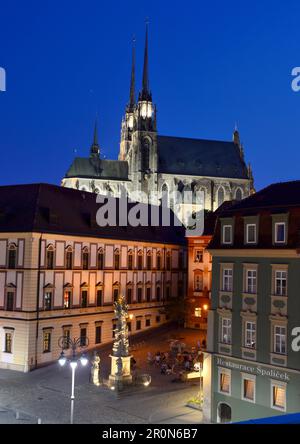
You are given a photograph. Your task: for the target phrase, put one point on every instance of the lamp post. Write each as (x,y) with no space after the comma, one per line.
(66,343)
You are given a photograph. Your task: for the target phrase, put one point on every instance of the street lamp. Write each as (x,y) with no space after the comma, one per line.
(65,343)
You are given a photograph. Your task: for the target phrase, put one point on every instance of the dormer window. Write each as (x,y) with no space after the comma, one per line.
(227,234)
(280,233)
(250,233)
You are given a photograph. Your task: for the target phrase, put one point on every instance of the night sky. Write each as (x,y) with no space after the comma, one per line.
(212,63)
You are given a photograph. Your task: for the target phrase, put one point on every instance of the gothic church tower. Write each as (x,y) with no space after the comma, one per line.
(138,134)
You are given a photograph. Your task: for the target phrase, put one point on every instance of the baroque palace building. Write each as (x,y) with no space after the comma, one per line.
(60,273)
(152,163)
(252,364)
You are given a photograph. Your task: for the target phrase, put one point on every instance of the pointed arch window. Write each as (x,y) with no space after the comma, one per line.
(50,257)
(165,195)
(221,196)
(12,256)
(238,194)
(145,161)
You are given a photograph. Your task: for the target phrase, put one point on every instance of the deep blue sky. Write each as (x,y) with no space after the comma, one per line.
(211,64)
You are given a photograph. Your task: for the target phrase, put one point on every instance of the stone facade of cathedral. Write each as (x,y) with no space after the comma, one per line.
(154,163)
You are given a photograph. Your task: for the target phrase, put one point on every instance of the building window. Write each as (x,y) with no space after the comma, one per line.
(140,260)
(168,293)
(227,234)
(84,298)
(224,381)
(238,194)
(280,339)
(138,324)
(198,312)
(221,196)
(157,319)
(10,300)
(66,338)
(48,300)
(149,261)
(158,296)
(50,258)
(280,283)
(250,233)
(198,282)
(227,279)
(148,322)
(12,257)
(130,260)
(46,342)
(225,331)
(8,343)
(250,334)
(117,260)
(69,259)
(99,297)
(198,256)
(85,259)
(116,294)
(168,261)
(67,299)
(180,260)
(83,335)
(129,326)
(278,396)
(248,388)
(98,335)
(139,294)
(158,261)
(280,235)
(129,295)
(251,281)
(100,259)
(148,294)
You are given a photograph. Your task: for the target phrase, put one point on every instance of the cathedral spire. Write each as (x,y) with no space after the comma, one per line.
(146,94)
(95,148)
(132,79)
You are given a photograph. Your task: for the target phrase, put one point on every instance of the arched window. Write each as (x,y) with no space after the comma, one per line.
(140,260)
(100,259)
(50,257)
(145,155)
(85,258)
(117,259)
(130,260)
(221,196)
(69,258)
(12,256)
(165,195)
(238,194)
(149,260)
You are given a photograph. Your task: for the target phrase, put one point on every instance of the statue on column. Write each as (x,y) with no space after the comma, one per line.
(95,370)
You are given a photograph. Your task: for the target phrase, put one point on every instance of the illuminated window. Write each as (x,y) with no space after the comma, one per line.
(198,256)
(67,299)
(8,342)
(48,300)
(248,388)
(198,282)
(224,381)
(46,342)
(278,396)
(198,312)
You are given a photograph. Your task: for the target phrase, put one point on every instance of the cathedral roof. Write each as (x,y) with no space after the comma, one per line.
(97,168)
(200,157)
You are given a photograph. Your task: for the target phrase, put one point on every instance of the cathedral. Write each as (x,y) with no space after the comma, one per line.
(154,164)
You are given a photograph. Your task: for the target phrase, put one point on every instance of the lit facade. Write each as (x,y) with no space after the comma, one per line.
(54,283)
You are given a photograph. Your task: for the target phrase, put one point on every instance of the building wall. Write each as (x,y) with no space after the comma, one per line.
(29,318)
